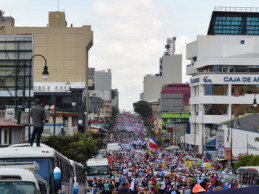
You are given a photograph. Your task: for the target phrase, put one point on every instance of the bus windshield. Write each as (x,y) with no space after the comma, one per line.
(44,163)
(14,187)
(97,170)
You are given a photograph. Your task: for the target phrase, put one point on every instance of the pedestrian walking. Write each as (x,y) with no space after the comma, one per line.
(38,116)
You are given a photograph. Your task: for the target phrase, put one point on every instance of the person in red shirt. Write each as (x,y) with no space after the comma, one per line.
(154,180)
(212,181)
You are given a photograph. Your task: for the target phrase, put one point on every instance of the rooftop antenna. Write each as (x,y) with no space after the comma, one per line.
(170,46)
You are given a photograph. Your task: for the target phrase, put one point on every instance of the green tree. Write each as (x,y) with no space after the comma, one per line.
(77,147)
(115,111)
(247,160)
(143,108)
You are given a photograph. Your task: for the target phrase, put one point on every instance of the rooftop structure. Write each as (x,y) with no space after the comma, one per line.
(234,21)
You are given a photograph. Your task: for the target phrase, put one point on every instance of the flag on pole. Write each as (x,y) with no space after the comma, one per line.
(152,143)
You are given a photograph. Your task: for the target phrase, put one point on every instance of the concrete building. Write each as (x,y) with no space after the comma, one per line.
(66,51)
(175,98)
(103,85)
(11,132)
(225,74)
(170,71)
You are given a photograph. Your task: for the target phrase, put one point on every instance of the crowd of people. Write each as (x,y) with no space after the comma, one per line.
(158,171)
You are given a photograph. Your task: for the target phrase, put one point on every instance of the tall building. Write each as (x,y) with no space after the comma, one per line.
(170,71)
(225,72)
(66,51)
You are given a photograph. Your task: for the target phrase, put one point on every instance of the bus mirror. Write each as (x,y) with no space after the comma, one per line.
(57,178)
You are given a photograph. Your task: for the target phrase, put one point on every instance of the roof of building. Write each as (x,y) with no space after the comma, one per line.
(8,123)
(178,89)
(234,21)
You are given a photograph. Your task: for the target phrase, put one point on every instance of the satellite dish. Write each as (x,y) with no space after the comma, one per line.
(167,46)
(46,107)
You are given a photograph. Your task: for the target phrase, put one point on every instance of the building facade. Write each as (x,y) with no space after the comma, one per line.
(225,72)
(170,71)
(66,51)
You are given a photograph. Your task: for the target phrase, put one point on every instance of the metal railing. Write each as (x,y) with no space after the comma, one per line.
(237,9)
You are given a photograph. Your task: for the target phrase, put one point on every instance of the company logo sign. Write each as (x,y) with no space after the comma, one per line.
(241,79)
(206,79)
(195,80)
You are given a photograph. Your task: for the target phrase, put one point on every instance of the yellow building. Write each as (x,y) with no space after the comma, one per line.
(65,48)
(107,110)
(66,51)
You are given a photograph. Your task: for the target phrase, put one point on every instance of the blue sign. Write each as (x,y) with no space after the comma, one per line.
(195,80)
(221,152)
(241,79)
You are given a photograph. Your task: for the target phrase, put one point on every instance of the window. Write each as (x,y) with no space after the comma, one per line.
(241,68)
(74,121)
(6,136)
(216,90)
(216,68)
(216,109)
(242,41)
(240,90)
(65,120)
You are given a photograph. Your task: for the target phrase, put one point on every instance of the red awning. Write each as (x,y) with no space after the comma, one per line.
(6,123)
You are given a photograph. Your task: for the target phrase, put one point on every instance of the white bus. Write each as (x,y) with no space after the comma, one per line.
(248,176)
(97,167)
(21,178)
(48,159)
(113,147)
(79,178)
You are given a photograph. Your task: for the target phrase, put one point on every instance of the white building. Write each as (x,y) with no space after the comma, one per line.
(243,141)
(170,71)
(225,74)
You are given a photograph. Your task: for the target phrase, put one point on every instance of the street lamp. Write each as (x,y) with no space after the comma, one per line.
(45,75)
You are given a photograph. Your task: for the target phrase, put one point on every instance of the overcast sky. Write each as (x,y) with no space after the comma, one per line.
(129,35)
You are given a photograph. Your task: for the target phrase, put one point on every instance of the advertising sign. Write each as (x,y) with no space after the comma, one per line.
(24,119)
(221,152)
(220,140)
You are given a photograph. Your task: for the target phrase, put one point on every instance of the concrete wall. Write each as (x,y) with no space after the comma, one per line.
(16,134)
(103,80)
(243,141)
(152,87)
(171,73)
(172,69)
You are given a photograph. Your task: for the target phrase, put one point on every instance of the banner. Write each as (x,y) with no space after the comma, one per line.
(220,140)
(221,153)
